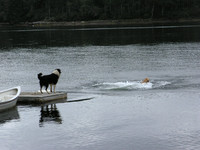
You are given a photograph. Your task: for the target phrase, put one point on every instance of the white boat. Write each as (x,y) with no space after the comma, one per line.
(8,98)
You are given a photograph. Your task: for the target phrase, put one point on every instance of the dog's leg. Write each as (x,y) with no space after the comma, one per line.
(47,91)
(47,88)
(41,89)
(54,88)
(51,88)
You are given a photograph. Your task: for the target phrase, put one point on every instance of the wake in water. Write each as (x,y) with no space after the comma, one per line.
(130,85)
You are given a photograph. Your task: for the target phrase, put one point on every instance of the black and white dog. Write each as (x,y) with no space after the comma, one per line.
(51,79)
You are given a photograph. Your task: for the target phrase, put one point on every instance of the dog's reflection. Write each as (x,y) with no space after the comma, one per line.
(50,113)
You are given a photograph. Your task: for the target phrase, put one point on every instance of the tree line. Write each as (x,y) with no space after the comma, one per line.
(15,11)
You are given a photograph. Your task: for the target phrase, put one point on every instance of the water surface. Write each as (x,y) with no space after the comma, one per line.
(109,65)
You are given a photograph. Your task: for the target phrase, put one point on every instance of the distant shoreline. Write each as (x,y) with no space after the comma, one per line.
(105,23)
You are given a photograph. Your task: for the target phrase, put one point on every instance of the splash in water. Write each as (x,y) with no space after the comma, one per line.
(130,85)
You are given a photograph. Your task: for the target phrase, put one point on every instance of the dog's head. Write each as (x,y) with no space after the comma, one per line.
(57,72)
(146,80)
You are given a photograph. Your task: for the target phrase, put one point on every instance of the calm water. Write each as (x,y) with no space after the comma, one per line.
(107,64)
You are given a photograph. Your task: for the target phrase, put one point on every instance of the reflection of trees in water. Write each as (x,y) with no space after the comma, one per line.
(50,113)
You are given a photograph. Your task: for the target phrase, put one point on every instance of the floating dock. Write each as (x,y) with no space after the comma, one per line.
(38,98)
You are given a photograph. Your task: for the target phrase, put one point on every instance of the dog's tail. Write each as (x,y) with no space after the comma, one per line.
(39,76)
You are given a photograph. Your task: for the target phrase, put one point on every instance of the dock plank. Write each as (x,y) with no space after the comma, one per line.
(38,98)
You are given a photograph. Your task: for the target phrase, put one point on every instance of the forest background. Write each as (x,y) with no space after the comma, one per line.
(17,11)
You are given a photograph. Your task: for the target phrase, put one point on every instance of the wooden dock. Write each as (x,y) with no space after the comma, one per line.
(38,98)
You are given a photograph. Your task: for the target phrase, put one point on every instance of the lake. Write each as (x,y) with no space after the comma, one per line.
(107,64)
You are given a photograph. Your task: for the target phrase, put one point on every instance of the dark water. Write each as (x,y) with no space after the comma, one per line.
(107,64)
(62,37)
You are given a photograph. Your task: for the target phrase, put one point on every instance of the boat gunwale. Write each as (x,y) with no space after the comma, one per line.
(14,97)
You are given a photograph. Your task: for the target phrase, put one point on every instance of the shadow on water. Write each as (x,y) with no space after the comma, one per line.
(11,114)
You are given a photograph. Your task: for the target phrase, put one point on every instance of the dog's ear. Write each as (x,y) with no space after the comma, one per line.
(39,76)
(58,70)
